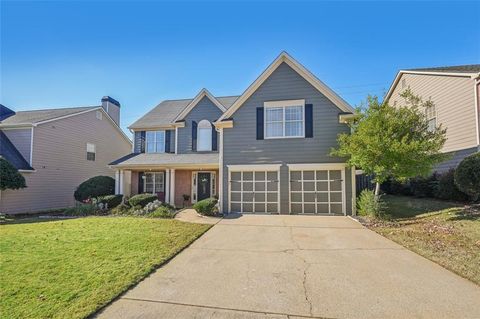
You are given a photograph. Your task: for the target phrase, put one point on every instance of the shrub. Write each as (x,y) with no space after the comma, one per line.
(95,187)
(162,212)
(142,199)
(368,205)
(81,210)
(207,207)
(447,189)
(111,201)
(467,176)
(10,178)
(424,186)
(121,209)
(396,188)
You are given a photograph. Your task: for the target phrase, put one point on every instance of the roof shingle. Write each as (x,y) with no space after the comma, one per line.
(470,68)
(159,159)
(32,117)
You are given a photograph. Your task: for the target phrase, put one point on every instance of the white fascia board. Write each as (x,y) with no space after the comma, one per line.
(203,93)
(300,69)
(254,167)
(223,124)
(284,103)
(316,166)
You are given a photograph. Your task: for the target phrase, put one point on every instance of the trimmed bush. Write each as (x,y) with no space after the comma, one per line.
(162,212)
(207,207)
(424,186)
(367,205)
(10,178)
(111,201)
(467,176)
(142,199)
(447,189)
(95,187)
(81,210)
(121,209)
(396,188)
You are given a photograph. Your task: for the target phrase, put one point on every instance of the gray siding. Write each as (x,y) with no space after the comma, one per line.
(204,110)
(456,158)
(21,138)
(241,146)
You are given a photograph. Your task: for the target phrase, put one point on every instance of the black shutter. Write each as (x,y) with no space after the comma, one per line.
(214,139)
(194,136)
(142,141)
(140,182)
(308,120)
(259,123)
(167,141)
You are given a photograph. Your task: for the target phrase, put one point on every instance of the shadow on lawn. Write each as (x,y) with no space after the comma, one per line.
(468,213)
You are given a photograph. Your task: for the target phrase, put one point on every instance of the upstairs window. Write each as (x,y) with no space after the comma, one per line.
(284,119)
(204,136)
(90,152)
(431,113)
(155,142)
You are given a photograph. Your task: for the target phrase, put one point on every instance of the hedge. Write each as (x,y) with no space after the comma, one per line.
(467,176)
(10,178)
(111,200)
(95,187)
(142,199)
(206,207)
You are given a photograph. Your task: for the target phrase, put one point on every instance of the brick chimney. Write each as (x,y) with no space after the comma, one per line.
(112,107)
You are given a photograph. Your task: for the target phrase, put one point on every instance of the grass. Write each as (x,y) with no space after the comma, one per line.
(446,233)
(71,268)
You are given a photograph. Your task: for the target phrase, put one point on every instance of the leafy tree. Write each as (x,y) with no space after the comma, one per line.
(10,178)
(467,176)
(392,141)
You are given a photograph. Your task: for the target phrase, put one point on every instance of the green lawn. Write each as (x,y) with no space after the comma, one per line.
(71,268)
(447,233)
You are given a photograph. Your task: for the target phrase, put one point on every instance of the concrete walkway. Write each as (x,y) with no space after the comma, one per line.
(297,267)
(190,215)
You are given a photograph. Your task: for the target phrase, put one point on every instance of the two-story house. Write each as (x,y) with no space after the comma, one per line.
(58,149)
(265,151)
(455,92)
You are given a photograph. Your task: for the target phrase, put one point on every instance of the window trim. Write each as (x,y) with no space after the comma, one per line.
(155,141)
(433,118)
(154,182)
(94,152)
(282,104)
(198,135)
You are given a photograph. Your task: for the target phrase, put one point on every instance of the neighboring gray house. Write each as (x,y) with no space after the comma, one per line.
(56,150)
(455,92)
(265,151)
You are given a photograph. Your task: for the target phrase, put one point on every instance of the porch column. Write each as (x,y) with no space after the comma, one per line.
(172,189)
(117,182)
(167,186)
(120,186)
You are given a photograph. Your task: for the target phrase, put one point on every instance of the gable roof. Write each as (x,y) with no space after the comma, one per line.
(37,116)
(5,112)
(284,57)
(469,70)
(9,152)
(203,93)
(164,114)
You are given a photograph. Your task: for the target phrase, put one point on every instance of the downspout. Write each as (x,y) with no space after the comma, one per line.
(477,111)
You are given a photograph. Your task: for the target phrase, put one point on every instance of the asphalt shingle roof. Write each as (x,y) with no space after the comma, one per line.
(9,152)
(146,159)
(470,68)
(31,117)
(166,112)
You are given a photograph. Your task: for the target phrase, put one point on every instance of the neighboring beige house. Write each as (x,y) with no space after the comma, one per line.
(56,150)
(455,93)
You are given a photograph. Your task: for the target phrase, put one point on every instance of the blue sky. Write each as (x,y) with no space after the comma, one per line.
(60,54)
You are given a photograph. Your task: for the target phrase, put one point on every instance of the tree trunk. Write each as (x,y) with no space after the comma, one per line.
(377,189)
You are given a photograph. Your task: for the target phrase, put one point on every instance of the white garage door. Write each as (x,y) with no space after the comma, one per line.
(317,191)
(254,191)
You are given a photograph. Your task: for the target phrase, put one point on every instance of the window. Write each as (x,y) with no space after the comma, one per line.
(90,152)
(155,142)
(99,115)
(284,119)
(431,114)
(204,136)
(154,182)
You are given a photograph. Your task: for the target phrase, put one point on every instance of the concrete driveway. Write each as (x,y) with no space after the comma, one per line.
(297,267)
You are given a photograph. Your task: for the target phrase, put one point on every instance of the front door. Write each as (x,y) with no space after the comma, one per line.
(203,186)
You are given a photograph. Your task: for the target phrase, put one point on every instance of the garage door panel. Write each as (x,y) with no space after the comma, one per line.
(236,197)
(260,186)
(235,207)
(259,208)
(272,197)
(248,197)
(236,176)
(260,176)
(236,186)
(247,207)
(259,197)
(248,176)
(272,208)
(317,191)
(272,186)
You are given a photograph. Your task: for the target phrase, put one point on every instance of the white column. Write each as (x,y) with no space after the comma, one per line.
(167,186)
(117,182)
(220,173)
(172,189)
(120,186)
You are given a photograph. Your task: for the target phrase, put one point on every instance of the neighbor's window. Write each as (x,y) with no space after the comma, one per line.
(431,114)
(284,119)
(204,136)
(155,142)
(90,152)
(154,182)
